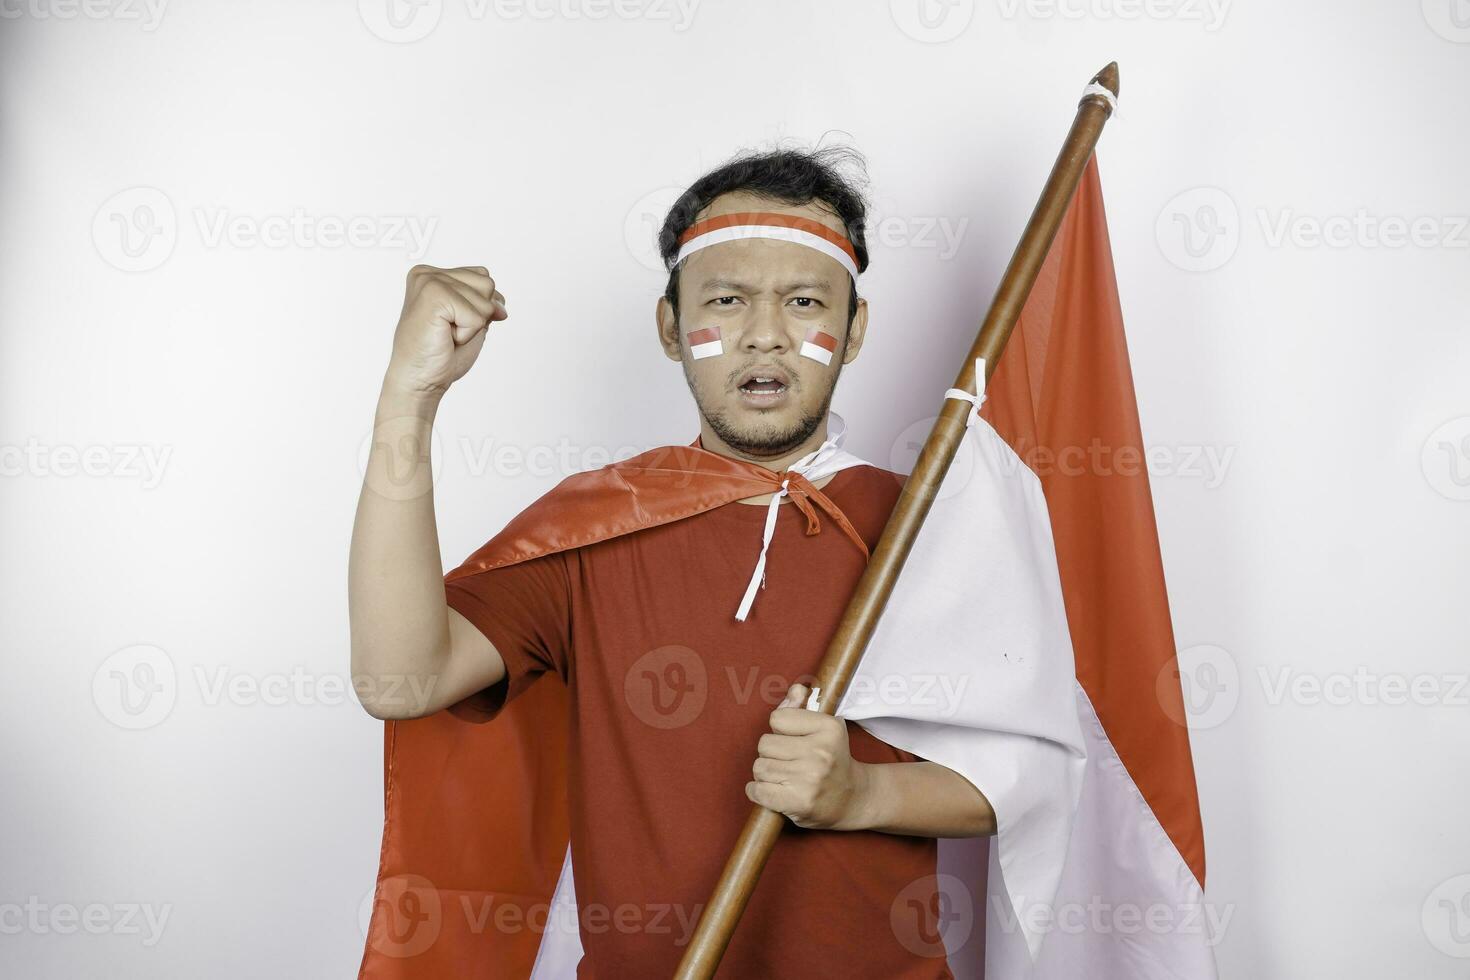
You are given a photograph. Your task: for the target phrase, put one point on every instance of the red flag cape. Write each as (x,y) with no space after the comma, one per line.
(475,815)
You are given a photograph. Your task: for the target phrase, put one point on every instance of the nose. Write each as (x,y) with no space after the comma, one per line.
(765,329)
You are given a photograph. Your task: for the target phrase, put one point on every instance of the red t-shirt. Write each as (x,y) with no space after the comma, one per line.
(669,696)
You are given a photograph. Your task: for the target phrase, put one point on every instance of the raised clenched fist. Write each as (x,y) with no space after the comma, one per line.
(442,326)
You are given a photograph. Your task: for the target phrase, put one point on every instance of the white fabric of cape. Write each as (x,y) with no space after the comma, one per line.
(971,665)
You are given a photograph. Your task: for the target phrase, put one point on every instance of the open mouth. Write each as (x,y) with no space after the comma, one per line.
(767,386)
(764,386)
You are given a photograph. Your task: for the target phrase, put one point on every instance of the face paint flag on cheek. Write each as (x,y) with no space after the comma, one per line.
(705,342)
(819,346)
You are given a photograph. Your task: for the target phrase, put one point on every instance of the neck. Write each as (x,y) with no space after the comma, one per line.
(710,441)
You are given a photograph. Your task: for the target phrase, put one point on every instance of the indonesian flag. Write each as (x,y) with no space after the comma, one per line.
(1129,902)
(819,346)
(705,342)
(1035,589)
(1131,898)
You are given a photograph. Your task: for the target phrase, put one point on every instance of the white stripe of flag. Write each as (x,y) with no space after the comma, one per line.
(819,346)
(705,342)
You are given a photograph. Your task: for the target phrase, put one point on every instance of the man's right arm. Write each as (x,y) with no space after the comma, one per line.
(411,654)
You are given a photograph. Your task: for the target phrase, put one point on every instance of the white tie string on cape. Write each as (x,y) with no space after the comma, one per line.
(825,460)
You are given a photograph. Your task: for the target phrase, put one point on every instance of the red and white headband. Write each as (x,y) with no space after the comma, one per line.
(768,224)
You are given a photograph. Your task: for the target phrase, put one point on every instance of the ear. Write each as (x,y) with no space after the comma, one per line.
(668,329)
(856,332)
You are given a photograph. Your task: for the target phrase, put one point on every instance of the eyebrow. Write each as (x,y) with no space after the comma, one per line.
(740,287)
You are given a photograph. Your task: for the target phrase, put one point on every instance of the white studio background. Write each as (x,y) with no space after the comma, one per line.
(189,360)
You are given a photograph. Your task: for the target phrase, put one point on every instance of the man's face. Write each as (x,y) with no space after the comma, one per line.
(761,396)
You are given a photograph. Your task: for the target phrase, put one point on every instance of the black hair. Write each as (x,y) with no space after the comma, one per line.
(794,177)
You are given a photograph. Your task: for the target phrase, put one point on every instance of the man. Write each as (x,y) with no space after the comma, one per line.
(761,311)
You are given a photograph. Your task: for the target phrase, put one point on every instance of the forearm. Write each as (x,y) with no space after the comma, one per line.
(922,799)
(398,617)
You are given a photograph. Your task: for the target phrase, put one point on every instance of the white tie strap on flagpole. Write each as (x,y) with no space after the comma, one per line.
(1093,88)
(975,400)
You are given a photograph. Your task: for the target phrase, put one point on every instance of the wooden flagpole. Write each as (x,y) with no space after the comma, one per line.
(743,868)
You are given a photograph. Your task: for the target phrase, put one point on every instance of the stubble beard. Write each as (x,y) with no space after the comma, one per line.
(761,438)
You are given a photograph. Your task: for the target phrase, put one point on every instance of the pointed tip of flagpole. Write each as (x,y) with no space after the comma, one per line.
(1108,77)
